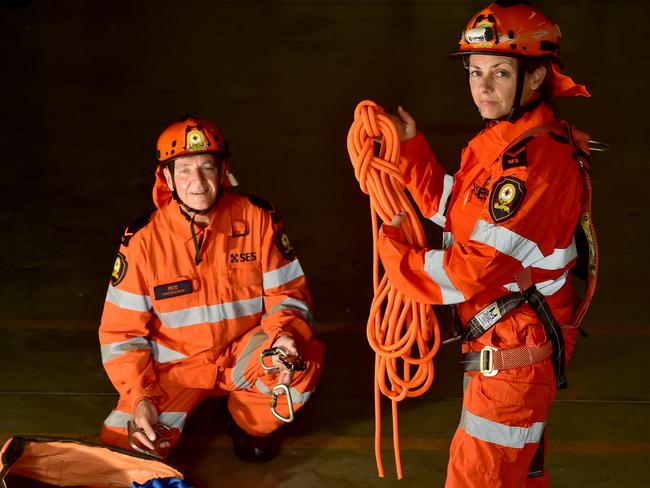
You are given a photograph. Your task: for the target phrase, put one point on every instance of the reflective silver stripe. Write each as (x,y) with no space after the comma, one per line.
(295,305)
(559,258)
(282,275)
(507,242)
(496,433)
(523,250)
(466,380)
(447,240)
(434,268)
(296,396)
(211,313)
(118,419)
(546,288)
(128,300)
(237,375)
(162,354)
(116,349)
(171,419)
(439,218)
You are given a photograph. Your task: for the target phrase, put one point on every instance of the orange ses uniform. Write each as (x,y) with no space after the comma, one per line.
(187,317)
(513,204)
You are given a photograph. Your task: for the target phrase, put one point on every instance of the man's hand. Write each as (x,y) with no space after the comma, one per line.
(404,123)
(145,416)
(288,345)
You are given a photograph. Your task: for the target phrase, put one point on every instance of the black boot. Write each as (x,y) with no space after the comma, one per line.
(253,449)
(250,448)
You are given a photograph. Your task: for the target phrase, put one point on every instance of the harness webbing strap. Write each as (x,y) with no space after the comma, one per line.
(490,315)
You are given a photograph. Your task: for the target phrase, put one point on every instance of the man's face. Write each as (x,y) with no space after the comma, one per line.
(197,180)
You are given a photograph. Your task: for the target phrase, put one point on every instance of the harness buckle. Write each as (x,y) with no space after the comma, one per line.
(486,361)
(274,403)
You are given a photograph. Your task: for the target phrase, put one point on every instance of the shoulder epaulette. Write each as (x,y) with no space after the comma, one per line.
(265,205)
(562,139)
(260,202)
(135,227)
(515,155)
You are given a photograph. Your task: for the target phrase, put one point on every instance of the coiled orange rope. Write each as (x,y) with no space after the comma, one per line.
(399,330)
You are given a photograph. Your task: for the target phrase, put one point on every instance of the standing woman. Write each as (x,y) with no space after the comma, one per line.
(509,216)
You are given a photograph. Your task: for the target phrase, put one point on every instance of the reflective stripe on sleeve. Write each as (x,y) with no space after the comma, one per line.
(254,343)
(294,305)
(439,218)
(447,240)
(434,268)
(211,313)
(175,420)
(496,433)
(282,275)
(171,419)
(116,349)
(546,288)
(128,300)
(559,258)
(523,250)
(162,354)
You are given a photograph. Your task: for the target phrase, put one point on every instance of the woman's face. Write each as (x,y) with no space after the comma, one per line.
(493,82)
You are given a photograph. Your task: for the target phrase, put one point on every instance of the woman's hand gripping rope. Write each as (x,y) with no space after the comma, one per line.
(399,330)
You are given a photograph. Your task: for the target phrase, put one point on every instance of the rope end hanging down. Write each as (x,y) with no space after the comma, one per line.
(404,334)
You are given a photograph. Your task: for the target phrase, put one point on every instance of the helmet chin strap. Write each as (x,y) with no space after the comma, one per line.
(515,111)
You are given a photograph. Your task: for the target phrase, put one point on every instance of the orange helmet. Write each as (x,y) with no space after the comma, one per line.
(511,28)
(515,28)
(190,135)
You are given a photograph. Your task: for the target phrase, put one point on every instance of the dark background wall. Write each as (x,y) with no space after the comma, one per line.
(87,86)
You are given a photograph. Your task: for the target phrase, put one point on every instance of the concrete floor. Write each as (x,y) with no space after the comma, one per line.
(86,88)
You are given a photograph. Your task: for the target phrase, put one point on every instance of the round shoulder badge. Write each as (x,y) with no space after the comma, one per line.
(284,245)
(507,195)
(119,269)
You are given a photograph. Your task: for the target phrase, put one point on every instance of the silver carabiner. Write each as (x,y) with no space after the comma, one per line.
(163,433)
(275,351)
(274,403)
(597,146)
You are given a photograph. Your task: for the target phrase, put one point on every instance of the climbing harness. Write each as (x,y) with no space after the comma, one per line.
(489,360)
(162,431)
(403,333)
(292,363)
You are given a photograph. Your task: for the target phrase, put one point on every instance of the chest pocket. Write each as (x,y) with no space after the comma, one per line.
(478,193)
(244,268)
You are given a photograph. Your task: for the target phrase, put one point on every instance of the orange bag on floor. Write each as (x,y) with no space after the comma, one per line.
(41,461)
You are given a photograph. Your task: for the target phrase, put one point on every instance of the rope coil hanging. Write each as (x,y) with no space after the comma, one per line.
(399,329)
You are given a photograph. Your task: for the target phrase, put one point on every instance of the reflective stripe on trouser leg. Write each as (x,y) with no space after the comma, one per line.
(174,411)
(250,407)
(500,429)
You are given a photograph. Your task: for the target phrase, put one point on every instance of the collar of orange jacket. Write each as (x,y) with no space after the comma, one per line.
(492,141)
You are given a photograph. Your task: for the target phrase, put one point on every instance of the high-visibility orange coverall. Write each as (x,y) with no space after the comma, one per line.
(509,207)
(176,332)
